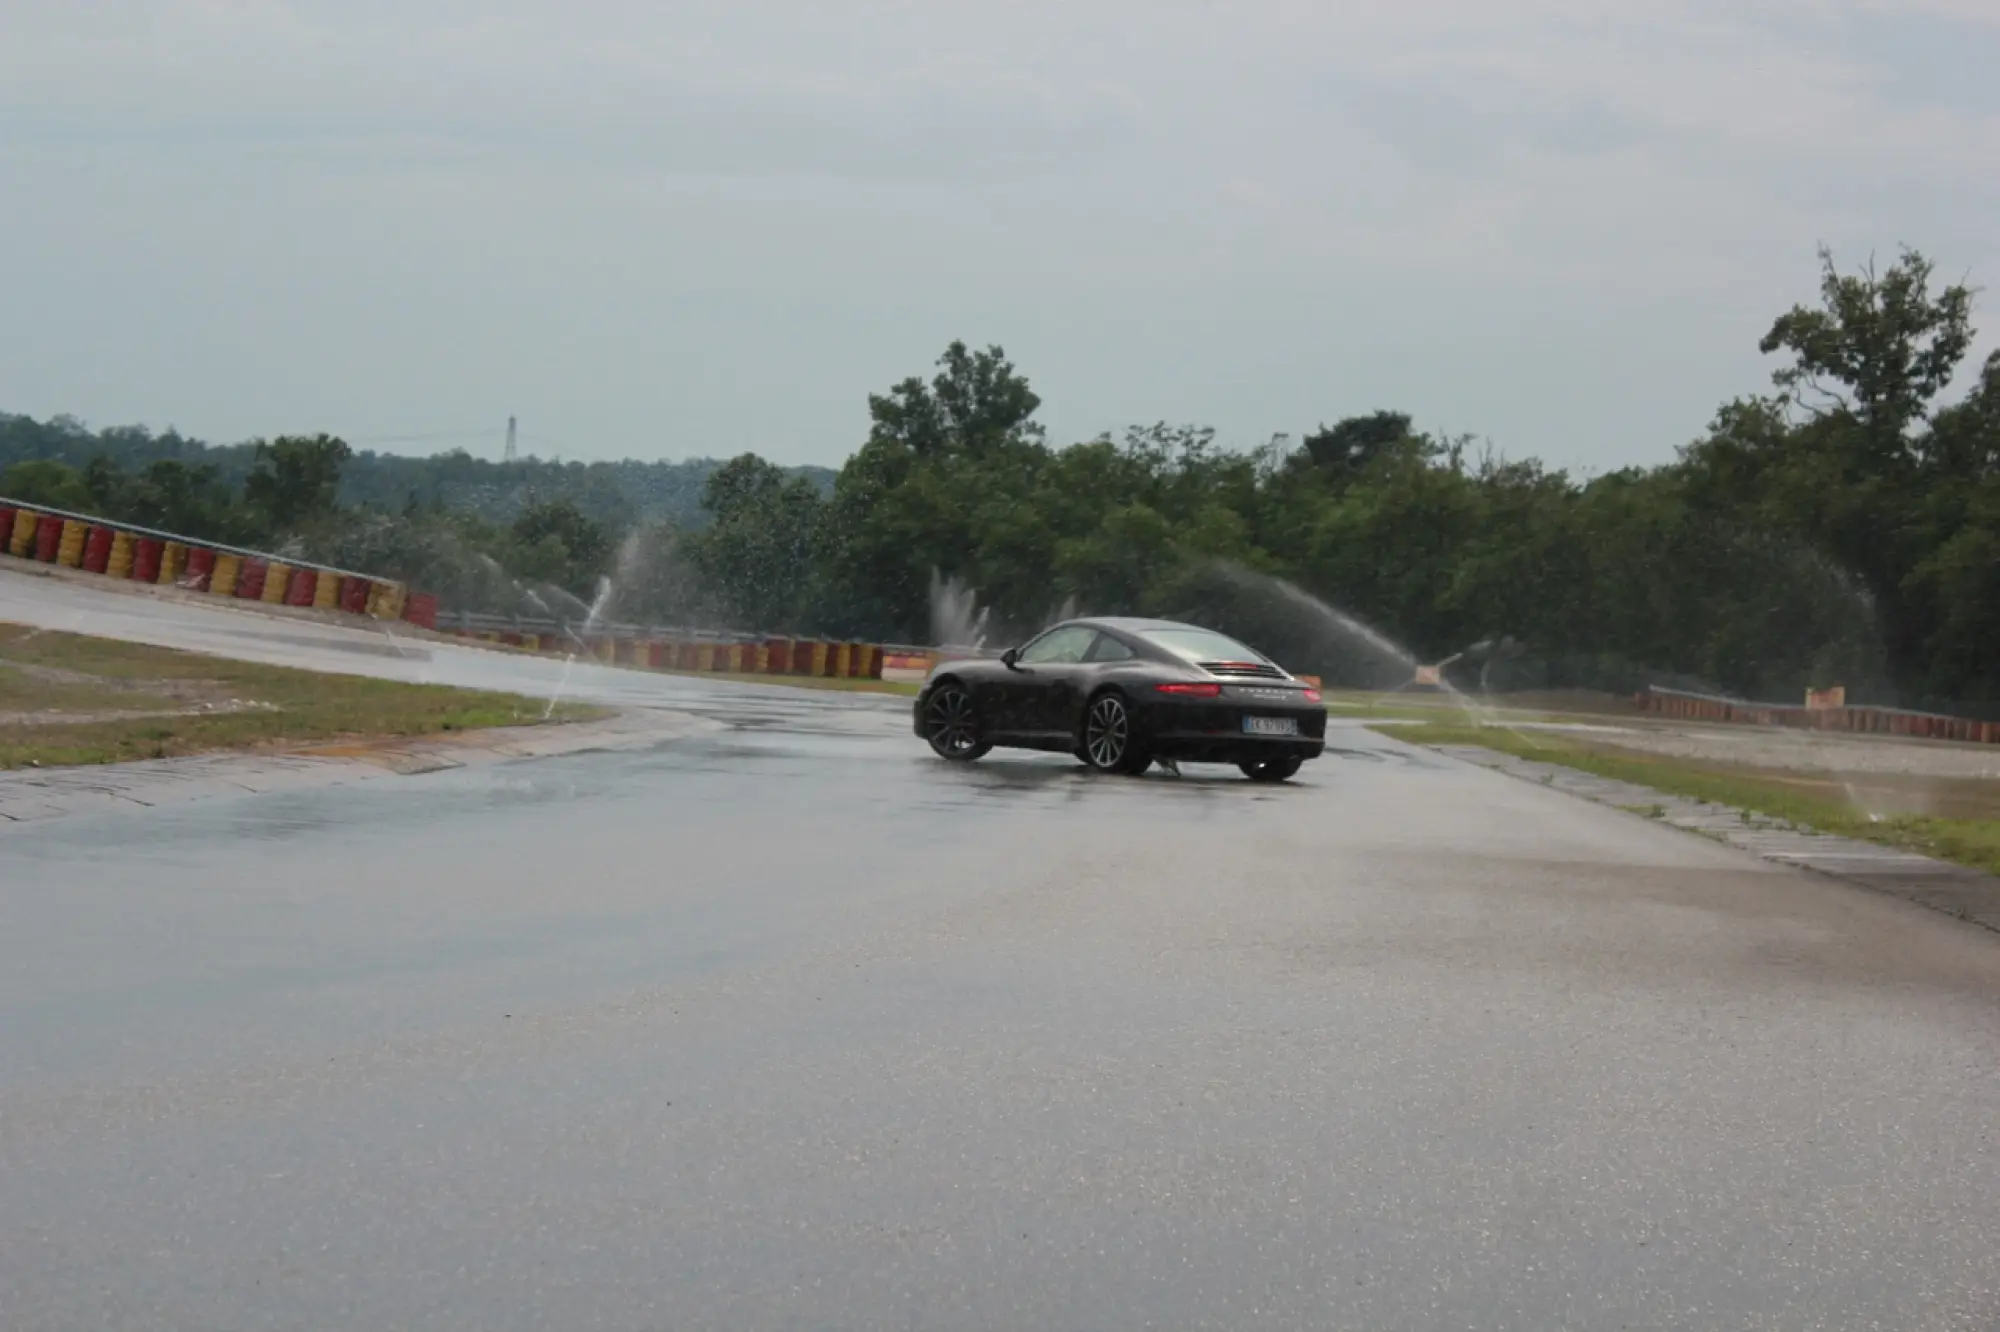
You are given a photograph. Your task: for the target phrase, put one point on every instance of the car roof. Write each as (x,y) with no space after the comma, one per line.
(1133,625)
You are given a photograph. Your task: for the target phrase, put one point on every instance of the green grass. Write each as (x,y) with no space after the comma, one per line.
(1800,799)
(86,678)
(1363,705)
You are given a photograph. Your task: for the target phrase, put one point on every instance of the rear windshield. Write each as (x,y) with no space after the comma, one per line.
(1201,645)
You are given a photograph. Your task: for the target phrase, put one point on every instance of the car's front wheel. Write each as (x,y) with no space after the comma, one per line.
(1270,770)
(1111,742)
(951,724)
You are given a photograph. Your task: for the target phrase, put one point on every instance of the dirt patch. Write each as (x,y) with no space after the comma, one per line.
(57,717)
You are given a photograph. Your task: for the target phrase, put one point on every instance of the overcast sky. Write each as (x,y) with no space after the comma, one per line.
(663,228)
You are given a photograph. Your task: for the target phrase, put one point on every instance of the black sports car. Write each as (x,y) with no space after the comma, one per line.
(1120,694)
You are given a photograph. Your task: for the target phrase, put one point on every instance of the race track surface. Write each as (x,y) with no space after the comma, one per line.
(792,1026)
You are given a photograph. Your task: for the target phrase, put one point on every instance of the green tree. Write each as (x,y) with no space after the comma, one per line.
(1350,445)
(1845,457)
(296,478)
(553,542)
(757,555)
(44,481)
(974,403)
(945,466)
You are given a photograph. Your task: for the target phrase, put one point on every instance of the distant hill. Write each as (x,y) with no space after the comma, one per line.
(615,493)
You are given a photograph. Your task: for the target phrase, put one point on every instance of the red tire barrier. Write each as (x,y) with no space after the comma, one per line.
(96,548)
(7,512)
(200,565)
(146,559)
(304,583)
(422,610)
(778,656)
(48,537)
(354,595)
(250,580)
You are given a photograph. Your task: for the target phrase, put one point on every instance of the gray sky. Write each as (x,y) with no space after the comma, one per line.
(661,228)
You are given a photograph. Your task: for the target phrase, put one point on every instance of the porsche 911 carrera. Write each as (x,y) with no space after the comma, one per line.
(1122,694)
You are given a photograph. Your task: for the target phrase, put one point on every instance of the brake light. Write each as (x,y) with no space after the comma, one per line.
(1312,695)
(1191,689)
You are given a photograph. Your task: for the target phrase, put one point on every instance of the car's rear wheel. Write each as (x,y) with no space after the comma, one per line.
(1271,769)
(1111,743)
(951,724)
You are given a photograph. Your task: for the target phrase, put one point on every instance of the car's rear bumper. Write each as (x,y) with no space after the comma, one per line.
(1213,733)
(1239,749)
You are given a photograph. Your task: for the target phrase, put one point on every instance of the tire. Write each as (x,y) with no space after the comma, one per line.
(951,724)
(1270,770)
(1110,739)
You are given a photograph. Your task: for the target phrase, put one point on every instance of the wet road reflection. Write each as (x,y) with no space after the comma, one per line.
(789,1025)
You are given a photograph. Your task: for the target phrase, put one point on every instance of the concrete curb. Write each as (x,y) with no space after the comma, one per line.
(1968,894)
(31,796)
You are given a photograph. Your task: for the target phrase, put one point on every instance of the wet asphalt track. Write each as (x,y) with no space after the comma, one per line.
(791,1026)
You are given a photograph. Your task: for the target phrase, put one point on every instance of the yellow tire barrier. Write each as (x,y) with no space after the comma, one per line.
(22,541)
(326,593)
(120,563)
(222,582)
(69,552)
(277,581)
(386,600)
(173,563)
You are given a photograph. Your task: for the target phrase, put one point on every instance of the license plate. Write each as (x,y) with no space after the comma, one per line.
(1270,726)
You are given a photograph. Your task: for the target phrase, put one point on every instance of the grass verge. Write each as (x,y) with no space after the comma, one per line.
(1798,799)
(70,699)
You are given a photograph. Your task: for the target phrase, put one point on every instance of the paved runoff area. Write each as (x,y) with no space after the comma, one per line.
(778,1022)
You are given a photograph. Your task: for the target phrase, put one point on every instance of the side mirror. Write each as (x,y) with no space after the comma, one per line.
(1009,657)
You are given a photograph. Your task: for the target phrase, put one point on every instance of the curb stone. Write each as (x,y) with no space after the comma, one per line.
(1956,890)
(37,795)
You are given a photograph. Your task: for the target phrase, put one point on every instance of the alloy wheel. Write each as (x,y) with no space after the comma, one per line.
(1107,732)
(951,725)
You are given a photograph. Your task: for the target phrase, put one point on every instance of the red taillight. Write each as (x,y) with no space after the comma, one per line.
(1312,695)
(1192,689)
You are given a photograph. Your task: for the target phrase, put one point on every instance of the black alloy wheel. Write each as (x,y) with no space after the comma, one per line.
(952,725)
(1270,770)
(1109,744)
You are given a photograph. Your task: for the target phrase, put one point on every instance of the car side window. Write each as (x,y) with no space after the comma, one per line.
(1059,646)
(1107,648)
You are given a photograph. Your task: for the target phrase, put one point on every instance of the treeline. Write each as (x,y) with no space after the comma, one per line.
(616,495)
(1843,529)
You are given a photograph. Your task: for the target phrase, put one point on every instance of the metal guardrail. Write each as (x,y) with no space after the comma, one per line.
(131,552)
(220,547)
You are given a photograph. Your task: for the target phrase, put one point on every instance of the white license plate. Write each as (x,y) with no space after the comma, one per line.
(1270,726)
